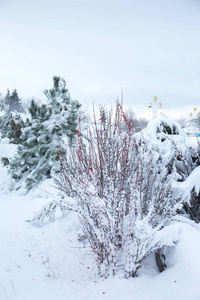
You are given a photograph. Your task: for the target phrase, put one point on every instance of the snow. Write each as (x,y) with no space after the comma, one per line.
(50,263)
(154,128)
(192,181)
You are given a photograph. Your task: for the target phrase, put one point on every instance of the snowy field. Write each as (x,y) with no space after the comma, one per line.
(49,263)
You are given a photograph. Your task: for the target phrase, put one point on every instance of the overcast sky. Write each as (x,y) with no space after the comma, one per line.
(145,47)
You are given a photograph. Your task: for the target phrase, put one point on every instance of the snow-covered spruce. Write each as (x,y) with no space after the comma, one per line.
(52,126)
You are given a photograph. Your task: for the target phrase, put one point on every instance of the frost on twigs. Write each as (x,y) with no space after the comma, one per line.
(48,212)
(123,192)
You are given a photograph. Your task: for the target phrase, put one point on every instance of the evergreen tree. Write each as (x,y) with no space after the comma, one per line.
(52,125)
(7,98)
(2,103)
(64,118)
(30,159)
(11,127)
(4,123)
(13,102)
(15,129)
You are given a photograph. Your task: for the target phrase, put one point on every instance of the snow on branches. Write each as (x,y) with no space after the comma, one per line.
(123,193)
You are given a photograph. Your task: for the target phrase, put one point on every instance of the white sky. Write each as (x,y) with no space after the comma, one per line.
(146,47)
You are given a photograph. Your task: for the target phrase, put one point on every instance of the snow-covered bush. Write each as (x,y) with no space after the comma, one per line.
(191,188)
(192,208)
(175,146)
(123,194)
(160,128)
(172,142)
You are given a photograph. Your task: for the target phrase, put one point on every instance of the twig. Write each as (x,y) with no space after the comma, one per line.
(12,286)
(4,290)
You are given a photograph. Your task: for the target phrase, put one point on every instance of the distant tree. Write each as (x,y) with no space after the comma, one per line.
(183,122)
(103,116)
(137,123)
(13,102)
(7,98)
(197,122)
(2,103)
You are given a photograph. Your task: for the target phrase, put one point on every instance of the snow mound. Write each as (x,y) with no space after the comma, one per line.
(7,150)
(158,128)
(192,181)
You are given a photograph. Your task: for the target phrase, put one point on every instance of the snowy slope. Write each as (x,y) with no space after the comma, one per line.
(49,263)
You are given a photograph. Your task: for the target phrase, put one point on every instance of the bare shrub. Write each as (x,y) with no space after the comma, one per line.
(123,192)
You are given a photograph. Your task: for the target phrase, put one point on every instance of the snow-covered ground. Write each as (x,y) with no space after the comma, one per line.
(49,263)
